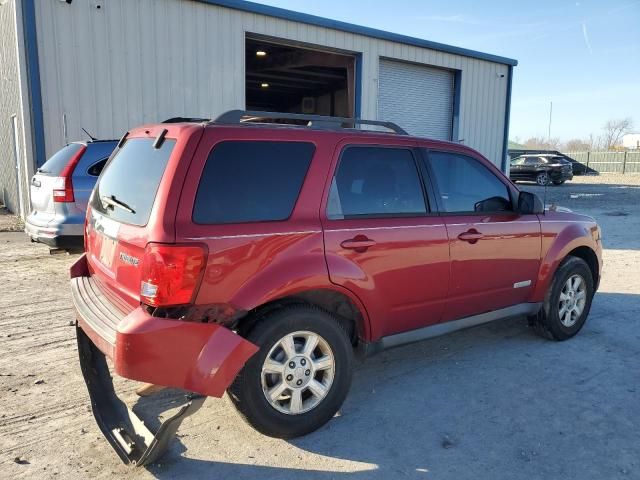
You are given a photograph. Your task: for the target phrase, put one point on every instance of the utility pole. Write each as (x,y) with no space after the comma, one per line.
(550,113)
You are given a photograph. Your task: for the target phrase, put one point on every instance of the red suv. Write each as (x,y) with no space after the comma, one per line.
(258,258)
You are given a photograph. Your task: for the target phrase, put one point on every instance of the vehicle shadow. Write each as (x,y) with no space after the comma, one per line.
(495,401)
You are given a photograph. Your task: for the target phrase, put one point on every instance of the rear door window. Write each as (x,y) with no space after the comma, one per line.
(59,160)
(251,181)
(376,182)
(128,186)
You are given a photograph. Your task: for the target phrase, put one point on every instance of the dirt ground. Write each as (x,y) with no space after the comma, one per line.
(492,402)
(9,222)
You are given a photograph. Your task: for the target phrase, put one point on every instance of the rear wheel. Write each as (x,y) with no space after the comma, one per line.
(301,375)
(543,179)
(567,303)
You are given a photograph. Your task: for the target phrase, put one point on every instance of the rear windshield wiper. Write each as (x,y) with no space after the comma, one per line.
(113,202)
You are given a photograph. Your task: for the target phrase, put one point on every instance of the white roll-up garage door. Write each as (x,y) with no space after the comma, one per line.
(418,98)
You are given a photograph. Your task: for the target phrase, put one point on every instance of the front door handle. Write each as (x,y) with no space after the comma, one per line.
(359,243)
(471,236)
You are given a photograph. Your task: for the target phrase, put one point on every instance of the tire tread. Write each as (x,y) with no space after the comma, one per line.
(543,322)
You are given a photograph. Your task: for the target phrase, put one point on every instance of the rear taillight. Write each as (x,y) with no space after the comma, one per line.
(171,274)
(63,188)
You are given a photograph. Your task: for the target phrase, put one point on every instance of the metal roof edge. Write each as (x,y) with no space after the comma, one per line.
(294,16)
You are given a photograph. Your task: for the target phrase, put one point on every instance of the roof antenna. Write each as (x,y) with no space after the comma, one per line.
(93,139)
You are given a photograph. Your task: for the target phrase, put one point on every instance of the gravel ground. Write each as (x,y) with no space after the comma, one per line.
(9,222)
(492,402)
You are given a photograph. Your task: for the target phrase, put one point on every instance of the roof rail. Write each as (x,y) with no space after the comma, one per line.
(233,117)
(186,120)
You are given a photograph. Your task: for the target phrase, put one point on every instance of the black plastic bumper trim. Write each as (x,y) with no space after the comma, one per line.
(134,443)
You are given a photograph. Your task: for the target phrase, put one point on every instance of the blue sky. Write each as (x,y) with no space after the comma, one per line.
(582,55)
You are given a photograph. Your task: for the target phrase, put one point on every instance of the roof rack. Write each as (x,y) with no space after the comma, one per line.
(233,117)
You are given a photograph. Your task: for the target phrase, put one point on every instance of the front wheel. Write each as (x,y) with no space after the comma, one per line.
(567,302)
(543,179)
(301,375)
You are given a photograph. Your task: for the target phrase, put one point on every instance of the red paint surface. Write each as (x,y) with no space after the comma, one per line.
(413,272)
(483,273)
(103,254)
(199,357)
(79,268)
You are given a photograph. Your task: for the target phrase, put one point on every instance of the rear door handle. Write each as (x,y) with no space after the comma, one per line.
(35,183)
(360,243)
(471,236)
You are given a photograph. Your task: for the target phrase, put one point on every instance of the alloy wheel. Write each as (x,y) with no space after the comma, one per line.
(542,179)
(571,303)
(298,372)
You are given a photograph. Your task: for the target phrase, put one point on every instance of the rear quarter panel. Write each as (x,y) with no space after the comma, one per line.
(250,264)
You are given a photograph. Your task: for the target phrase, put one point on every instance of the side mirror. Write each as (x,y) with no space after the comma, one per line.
(529,204)
(493,204)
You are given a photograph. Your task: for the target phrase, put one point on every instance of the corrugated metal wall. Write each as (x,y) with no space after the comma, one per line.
(10,106)
(110,68)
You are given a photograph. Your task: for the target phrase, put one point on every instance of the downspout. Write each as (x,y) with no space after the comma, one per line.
(33,80)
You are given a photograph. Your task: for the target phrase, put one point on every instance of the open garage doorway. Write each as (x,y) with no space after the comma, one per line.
(287,78)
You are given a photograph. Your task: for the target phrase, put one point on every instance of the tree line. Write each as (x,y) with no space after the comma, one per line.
(609,139)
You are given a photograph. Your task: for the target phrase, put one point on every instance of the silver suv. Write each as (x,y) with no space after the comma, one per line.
(60,190)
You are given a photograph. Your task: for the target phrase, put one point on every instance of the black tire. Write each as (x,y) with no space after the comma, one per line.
(547,322)
(247,394)
(543,179)
(558,182)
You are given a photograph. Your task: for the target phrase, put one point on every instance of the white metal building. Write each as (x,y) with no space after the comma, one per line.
(631,141)
(108,65)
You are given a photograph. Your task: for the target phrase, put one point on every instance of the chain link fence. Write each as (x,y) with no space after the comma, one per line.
(609,162)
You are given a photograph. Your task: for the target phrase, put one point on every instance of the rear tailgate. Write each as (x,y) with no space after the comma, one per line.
(134,203)
(42,194)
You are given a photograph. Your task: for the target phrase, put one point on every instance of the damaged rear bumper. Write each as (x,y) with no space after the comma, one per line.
(201,358)
(134,443)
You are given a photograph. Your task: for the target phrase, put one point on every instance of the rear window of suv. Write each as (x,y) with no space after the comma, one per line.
(59,160)
(128,185)
(251,181)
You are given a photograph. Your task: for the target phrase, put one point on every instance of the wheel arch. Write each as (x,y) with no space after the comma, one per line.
(589,256)
(570,242)
(341,303)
